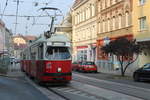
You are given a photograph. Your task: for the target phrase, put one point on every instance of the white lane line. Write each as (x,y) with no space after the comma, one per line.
(114,83)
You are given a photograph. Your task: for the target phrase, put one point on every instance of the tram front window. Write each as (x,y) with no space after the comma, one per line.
(57,53)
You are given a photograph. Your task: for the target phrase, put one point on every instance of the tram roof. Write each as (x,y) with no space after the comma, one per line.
(54,38)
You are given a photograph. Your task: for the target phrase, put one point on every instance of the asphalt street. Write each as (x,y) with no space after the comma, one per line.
(18,89)
(127,89)
(84,86)
(113,78)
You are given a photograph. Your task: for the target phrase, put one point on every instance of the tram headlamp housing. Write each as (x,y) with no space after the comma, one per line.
(59,69)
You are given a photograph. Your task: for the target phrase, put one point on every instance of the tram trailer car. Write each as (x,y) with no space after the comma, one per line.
(48,60)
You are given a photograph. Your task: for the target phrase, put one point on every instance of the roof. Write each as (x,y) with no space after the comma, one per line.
(59,38)
(54,38)
(77,2)
(29,37)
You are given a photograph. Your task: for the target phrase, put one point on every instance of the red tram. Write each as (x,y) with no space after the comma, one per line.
(48,60)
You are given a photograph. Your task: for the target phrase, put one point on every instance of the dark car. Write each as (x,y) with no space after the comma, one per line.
(88,66)
(142,73)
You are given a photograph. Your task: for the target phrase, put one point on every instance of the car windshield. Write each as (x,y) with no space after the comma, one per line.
(88,63)
(75,63)
(57,53)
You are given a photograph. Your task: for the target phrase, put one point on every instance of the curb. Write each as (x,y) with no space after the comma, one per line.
(9,76)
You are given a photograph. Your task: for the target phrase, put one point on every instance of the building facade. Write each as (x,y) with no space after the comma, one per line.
(141,28)
(5,39)
(84,30)
(20,42)
(114,20)
(65,27)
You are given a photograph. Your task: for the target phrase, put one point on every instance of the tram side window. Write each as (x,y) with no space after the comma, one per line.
(34,53)
(24,56)
(40,52)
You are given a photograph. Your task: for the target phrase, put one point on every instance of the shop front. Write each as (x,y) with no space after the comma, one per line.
(107,62)
(86,53)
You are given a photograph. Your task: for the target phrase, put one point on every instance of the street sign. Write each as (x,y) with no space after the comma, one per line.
(106,40)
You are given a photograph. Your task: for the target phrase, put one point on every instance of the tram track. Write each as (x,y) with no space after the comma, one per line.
(57,93)
(76,93)
(139,97)
(120,90)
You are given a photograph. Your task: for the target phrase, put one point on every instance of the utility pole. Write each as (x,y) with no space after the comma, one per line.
(16,17)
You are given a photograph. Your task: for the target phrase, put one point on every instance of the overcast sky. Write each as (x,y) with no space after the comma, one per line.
(28,7)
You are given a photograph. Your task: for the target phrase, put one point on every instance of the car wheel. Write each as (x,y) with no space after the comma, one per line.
(136,77)
(95,71)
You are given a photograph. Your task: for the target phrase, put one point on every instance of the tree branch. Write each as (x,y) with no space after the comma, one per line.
(130,63)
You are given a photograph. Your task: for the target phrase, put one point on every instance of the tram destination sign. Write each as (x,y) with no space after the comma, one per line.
(56,43)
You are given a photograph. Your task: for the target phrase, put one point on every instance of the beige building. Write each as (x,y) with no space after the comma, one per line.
(20,42)
(65,27)
(113,20)
(84,30)
(141,28)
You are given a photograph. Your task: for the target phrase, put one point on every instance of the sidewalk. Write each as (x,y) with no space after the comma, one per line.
(13,71)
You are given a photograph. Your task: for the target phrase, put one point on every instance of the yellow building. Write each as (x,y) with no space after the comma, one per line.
(113,20)
(141,27)
(84,30)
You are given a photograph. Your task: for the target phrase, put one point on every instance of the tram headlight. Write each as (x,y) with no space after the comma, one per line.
(59,69)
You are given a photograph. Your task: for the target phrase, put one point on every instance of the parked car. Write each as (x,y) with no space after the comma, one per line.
(12,60)
(88,66)
(75,66)
(17,60)
(142,73)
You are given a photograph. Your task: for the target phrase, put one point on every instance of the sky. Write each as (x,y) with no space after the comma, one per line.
(32,25)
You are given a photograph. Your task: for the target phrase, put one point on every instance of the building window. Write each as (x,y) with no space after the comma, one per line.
(108,3)
(142,22)
(103,25)
(108,25)
(142,2)
(127,19)
(80,17)
(113,1)
(113,23)
(93,10)
(120,21)
(76,19)
(89,13)
(99,27)
(99,6)
(86,12)
(83,14)
(103,4)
